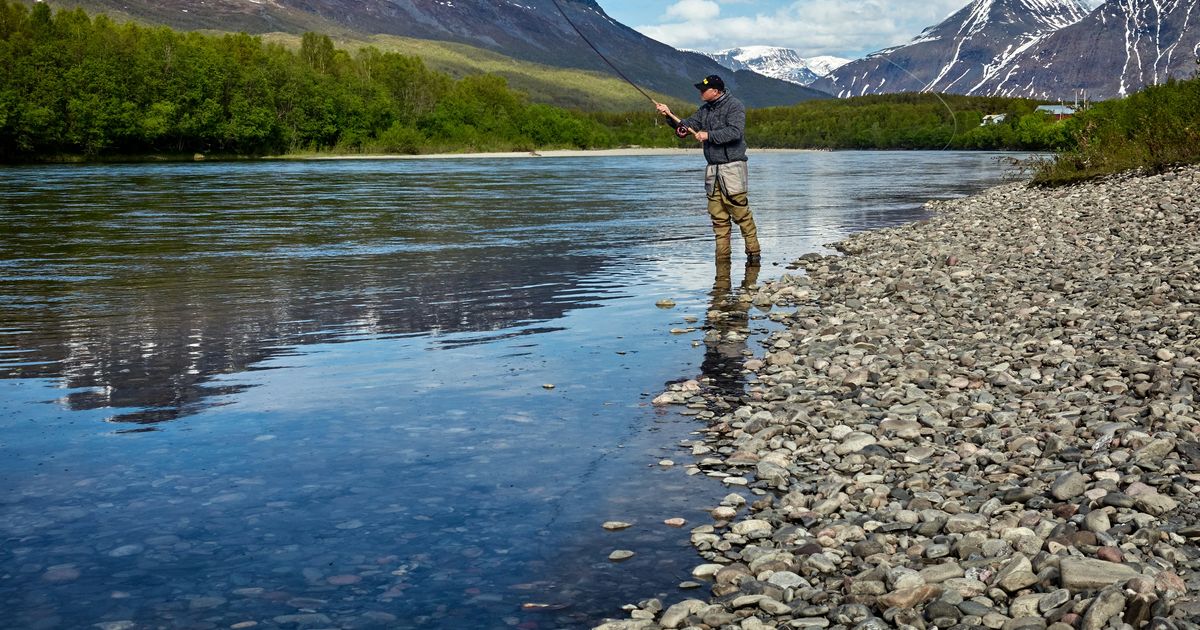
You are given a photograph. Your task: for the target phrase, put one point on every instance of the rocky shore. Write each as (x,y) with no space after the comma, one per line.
(984,420)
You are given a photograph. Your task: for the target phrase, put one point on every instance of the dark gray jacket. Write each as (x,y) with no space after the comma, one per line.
(725,121)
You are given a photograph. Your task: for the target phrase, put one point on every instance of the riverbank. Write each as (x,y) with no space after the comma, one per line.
(985,419)
(625,152)
(629,151)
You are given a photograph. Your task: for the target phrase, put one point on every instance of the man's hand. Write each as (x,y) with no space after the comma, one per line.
(701,135)
(663,109)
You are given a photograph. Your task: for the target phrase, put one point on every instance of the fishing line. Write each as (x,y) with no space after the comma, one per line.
(600,54)
(953,114)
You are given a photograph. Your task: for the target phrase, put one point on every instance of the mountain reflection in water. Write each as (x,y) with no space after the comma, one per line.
(136,293)
(153,343)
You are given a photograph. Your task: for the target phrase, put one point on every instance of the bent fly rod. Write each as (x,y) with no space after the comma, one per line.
(600,54)
(682,132)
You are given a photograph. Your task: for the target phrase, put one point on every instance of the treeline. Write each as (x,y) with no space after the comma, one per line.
(77,85)
(1151,130)
(907,121)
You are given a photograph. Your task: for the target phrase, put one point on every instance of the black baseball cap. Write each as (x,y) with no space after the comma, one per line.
(711,81)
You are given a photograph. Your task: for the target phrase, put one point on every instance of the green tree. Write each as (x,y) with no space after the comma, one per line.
(317,51)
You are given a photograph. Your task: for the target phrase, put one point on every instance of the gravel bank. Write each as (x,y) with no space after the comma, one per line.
(985,420)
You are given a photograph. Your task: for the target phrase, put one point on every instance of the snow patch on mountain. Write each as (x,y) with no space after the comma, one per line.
(974,47)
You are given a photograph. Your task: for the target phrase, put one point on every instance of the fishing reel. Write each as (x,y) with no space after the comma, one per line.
(682,131)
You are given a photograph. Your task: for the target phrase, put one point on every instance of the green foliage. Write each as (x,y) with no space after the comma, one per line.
(77,85)
(1150,130)
(904,121)
(317,52)
(568,88)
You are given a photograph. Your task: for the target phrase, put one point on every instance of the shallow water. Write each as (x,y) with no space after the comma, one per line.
(315,393)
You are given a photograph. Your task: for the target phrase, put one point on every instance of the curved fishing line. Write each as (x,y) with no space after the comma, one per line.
(953,114)
(600,54)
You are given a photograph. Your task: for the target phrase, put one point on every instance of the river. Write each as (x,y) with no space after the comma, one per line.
(378,393)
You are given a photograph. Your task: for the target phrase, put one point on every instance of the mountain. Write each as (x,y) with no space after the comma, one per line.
(1046,49)
(530,30)
(962,53)
(780,63)
(1144,42)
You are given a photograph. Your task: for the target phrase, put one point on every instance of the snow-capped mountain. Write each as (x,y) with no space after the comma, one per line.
(1120,47)
(1048,49)
(961,54)
(778,63)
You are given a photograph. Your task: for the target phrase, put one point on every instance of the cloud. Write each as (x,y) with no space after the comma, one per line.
(694,10)
(813,27)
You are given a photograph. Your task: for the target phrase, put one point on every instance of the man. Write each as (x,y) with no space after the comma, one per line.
(720,124)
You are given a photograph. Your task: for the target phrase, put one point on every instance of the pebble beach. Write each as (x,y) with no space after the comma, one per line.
(983,420)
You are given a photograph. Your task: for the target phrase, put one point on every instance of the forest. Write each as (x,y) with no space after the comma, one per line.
(908,121)
(80,87)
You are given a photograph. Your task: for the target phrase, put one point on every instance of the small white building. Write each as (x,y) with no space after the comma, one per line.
(993,119)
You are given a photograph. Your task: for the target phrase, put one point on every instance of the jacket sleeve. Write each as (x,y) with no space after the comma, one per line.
(691,121)
(732,127)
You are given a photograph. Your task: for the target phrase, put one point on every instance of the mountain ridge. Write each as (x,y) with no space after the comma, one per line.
(1164,32)
(529,30)
(1044,49)
(957,54)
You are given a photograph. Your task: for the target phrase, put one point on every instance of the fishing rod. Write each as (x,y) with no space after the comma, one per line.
(680,131)
(600,54)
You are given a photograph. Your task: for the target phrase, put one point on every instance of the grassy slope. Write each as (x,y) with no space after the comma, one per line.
(563,87)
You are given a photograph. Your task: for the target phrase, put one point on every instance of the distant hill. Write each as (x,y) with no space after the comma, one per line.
(563,87)
(530,30)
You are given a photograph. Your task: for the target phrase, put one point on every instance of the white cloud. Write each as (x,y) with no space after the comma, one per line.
(813,27)
(694,10)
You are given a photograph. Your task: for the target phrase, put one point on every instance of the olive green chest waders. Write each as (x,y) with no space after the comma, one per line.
(726,185)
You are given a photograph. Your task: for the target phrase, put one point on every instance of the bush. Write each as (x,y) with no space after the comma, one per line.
(398,139)
(1150,130)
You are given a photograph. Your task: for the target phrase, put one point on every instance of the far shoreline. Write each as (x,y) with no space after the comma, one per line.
(556,153)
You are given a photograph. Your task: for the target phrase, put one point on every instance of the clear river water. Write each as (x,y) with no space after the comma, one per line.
(284,394)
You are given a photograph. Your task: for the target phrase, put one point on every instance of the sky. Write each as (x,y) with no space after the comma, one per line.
(843,28)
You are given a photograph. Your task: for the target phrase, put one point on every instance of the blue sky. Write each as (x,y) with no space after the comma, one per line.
(844,28)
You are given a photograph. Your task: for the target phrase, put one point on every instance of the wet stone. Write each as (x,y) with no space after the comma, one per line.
(126,550)
(62,573)
(1085,574)
(962,424)
(303,620)
(1068,486)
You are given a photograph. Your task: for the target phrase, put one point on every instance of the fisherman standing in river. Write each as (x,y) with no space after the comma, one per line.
(720,124)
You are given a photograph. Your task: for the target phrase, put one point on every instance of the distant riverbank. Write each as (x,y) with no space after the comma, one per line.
(558,153)
(632,151)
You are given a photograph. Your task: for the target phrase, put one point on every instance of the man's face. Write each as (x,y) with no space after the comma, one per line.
(709,94)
